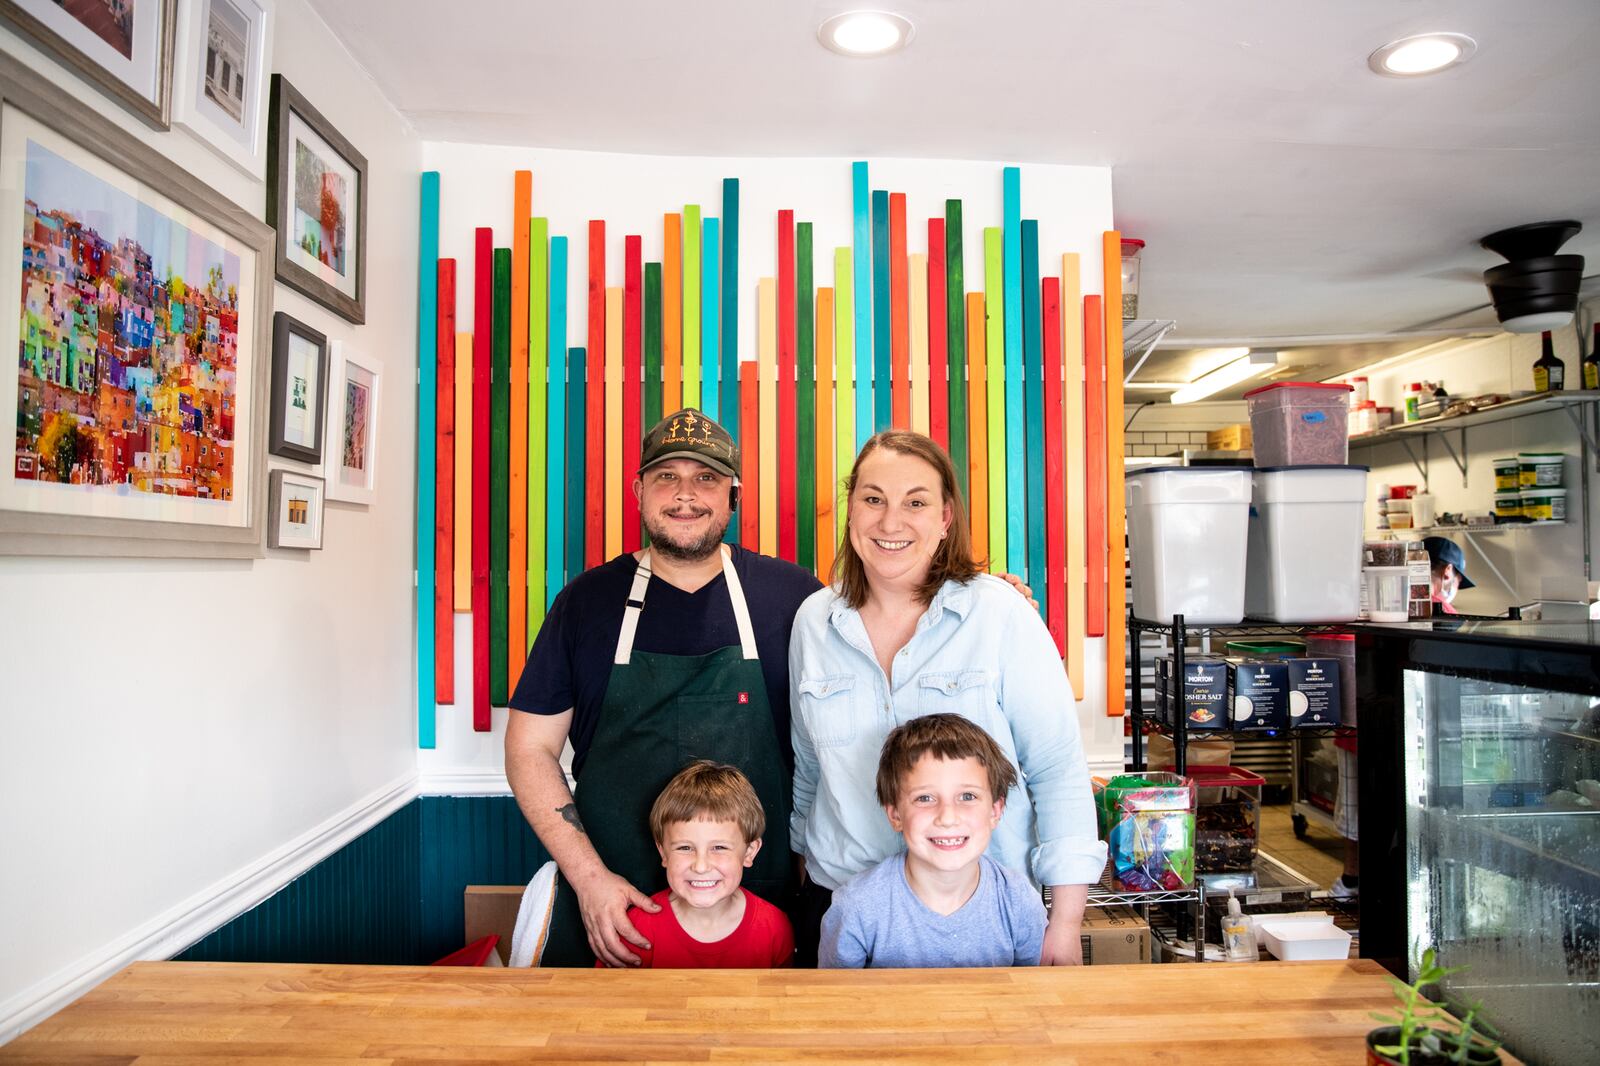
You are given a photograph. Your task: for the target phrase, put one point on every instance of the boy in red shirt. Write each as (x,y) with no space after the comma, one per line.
(707,825)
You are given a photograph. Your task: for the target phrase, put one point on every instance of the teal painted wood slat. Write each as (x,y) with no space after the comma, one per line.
(861,277)
(956,341)
(555,559)
(427,477)
(710,320)
(1016,461)
(882,313)
(1033,397)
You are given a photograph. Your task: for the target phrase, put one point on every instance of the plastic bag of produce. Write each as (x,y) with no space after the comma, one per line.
(1147,821)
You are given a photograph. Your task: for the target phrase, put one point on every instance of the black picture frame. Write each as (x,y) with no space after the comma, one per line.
(284,327)
(287,101)
(156,113)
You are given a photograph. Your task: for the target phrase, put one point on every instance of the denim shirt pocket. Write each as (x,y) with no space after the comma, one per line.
(828,710)
(969,693)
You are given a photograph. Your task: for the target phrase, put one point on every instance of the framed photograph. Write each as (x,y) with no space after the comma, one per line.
(123,46)
(317,201)
(134,300)
(299,390)
(296,511)
(220,78)
(352,458)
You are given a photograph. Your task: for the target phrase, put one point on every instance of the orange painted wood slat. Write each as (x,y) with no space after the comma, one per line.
(1094,432)
(1116,503)
(444,619)
(594,529)
(978,428)
(788,523)
(826,490)
(900,315)
(517,489)
(750,455)
(672,314)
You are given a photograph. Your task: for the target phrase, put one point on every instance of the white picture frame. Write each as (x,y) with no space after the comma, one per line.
(350,444)
(127,53)
(297,509)
(213,38)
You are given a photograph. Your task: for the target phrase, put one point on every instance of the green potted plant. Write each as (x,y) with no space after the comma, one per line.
(1412,1037)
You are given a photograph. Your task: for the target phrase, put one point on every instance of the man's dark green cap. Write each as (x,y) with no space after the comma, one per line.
(688,434)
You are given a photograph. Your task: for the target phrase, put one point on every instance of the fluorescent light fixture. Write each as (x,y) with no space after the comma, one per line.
(1247,366)
(1158,386)
(1422,53)
(865,33)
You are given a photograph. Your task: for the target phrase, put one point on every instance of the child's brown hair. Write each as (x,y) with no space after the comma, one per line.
(944,736)
(708,791)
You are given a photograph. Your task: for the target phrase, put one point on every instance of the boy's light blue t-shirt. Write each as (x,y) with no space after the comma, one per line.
(877,921)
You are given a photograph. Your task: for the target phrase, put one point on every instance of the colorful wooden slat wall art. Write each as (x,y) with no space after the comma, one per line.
(788,460)
(444,624)
(433,579)
(534,443)
(1033,411)
(632,385)
(805,404)
(1073,454)
(518,497)
(556,462)
(956,338)
(994,341)
(482,371)
(938,346)
(844,334)
(500,481)
(613,406)
(594,528)
(1094,388)
(823,438)
(710,322)
(1116,510)
(672,313)
(691,307)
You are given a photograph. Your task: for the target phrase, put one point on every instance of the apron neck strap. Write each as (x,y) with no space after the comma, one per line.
(641,582)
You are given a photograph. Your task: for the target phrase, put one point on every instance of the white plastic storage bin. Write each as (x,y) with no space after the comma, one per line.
(1304,559)
(1186,542)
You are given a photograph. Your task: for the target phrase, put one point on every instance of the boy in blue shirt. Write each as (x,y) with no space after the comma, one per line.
(942,781)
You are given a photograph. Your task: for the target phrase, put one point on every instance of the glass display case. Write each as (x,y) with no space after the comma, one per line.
(1491,823)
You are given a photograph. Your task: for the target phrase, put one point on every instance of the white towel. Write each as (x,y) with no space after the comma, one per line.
(533,918)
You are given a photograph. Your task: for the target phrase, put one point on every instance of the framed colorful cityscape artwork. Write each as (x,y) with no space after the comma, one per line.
(352,439)
(317,201)
(122,46)
(220,78)
(135,301)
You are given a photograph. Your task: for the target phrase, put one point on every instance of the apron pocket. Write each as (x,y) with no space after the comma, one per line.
(827,709)
(703,731)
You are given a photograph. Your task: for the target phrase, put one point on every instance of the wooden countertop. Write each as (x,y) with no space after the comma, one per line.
(1265,1014)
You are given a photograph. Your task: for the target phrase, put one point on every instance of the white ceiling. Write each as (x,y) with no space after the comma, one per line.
(1283,188)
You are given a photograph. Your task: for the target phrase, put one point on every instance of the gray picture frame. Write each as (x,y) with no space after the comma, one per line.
(275,538)
(156,114)
(286,100)
(50,534)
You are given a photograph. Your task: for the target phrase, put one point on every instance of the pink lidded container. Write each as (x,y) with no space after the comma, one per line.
(1300,423)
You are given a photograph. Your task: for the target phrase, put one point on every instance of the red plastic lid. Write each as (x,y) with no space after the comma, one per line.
(1135,241)
(1330,636)
(1218,776)
(1300,385)
(1359,377)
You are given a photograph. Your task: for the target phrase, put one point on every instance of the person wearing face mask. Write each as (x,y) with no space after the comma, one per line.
(1449,572)
(911,626)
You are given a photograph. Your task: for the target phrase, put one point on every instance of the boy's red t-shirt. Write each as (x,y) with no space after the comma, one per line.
(762,940)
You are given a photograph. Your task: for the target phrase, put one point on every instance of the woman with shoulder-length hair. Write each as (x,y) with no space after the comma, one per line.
(912,626)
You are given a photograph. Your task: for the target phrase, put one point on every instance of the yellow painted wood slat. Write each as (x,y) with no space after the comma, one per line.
(844,318)
(919,341)
(613,458)
(767,367)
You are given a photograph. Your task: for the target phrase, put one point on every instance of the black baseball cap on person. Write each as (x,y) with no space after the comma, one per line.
(1445,550)
(689,434)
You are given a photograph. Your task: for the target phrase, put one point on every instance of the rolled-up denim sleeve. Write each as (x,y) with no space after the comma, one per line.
(1038,704)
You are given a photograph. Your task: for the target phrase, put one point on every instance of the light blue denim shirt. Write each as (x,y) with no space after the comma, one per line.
(979,651)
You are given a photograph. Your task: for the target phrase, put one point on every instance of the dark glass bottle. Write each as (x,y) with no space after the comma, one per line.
(1591,362)
(1549,373)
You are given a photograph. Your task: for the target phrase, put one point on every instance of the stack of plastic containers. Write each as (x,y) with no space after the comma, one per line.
(1304,554)
(1186,542)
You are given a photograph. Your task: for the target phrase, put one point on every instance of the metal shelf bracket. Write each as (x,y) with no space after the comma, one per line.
(1459,460)
(1422,463)
(1581,424)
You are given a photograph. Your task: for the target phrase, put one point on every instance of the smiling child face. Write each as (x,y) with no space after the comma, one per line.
(946,812)
(705,860)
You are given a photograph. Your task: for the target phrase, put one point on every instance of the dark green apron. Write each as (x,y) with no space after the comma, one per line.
(660,713)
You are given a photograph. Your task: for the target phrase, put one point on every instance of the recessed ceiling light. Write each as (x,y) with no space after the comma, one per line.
(1422,53)
(865,33)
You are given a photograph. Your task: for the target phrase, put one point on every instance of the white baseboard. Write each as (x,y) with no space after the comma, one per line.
(189,921)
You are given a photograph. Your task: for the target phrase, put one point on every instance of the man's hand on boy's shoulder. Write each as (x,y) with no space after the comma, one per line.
(604,900)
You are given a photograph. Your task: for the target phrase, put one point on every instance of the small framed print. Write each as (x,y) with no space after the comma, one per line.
(299,390)
(296,519)
(220,78)
(317,201)
(352,456)
(124,47)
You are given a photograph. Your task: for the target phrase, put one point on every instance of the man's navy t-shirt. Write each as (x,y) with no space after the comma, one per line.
(572,657)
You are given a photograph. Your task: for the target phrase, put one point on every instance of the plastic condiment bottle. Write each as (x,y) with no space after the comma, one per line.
(1413,397)
(1238,938)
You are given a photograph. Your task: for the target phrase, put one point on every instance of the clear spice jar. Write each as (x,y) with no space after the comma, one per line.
(1420,603)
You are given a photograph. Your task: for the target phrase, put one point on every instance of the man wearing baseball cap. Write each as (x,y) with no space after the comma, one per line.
(1449,572)
(645,663)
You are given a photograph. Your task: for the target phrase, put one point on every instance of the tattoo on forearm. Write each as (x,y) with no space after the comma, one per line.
(570,814)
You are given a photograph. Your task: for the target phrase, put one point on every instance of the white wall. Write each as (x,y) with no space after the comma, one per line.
(631,192)
(172,726)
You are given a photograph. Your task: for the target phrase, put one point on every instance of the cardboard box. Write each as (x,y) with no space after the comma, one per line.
(1205,692)
(1258,693)
(1314,698)
(492,909)
(1114,935)
(1235,438)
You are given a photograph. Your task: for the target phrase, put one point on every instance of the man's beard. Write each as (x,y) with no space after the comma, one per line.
(693,552)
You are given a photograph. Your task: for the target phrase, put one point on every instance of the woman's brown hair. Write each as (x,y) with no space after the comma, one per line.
(952,560)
